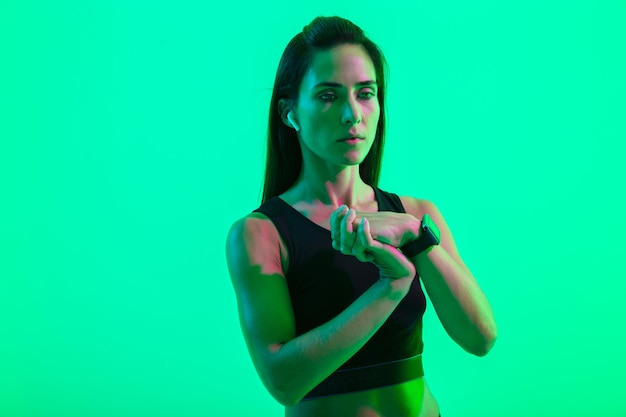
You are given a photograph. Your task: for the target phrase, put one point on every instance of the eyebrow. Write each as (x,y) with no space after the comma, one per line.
(359,84)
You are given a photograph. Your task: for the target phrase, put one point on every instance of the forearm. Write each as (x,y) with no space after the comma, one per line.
(305,361)
(459,302)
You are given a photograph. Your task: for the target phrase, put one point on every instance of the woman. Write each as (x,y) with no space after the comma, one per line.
(326,271)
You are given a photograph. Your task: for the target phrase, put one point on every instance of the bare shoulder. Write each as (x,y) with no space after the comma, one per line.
(254,226)
(417,207)
(254,240)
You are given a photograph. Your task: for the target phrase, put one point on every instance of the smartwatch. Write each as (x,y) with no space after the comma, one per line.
(429,236)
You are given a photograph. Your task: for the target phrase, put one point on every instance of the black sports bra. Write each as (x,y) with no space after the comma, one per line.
(323,282)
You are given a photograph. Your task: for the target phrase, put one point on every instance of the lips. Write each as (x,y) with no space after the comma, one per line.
(351,141)
(352,138)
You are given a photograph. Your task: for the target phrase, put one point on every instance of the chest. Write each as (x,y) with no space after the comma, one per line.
(321,214)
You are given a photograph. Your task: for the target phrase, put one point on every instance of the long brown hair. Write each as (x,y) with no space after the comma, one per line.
(284,157)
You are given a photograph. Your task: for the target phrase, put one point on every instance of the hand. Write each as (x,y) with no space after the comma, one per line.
(360,243)
(395,229)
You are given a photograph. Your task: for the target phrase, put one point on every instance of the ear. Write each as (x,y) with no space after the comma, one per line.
(285,109)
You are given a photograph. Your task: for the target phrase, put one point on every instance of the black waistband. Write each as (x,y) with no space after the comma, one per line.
(368,377)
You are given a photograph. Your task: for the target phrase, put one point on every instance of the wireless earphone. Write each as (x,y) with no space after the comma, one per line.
(293,122)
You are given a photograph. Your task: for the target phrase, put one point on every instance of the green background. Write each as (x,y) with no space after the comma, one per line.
(132,135)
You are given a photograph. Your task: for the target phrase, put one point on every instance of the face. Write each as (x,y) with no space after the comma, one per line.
(338,100)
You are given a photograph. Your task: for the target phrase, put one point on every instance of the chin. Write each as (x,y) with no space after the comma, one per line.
(356,158)
(353,161)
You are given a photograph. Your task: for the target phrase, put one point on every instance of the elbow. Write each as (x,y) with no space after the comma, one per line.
(280,380)
(485,342)
(483,348)
(285,395)
(481,340)
(282,388)
(288,401)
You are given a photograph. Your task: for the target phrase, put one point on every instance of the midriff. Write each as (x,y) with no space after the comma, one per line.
(409,399)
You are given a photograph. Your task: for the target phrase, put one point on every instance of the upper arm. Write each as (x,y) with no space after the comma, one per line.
(418,207)
(253,254)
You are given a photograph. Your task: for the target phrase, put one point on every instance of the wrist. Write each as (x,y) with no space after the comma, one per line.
(396,287)
(412,232)
(429,235)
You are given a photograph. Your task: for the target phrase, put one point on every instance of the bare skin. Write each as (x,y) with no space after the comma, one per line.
(410,399)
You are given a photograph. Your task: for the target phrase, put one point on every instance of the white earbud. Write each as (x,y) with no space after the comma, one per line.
(293,122)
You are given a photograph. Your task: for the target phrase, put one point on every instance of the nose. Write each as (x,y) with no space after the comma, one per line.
(351,113)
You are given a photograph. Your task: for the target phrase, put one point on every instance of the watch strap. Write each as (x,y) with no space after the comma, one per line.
(429,236)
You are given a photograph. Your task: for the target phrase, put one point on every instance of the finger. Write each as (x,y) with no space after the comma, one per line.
(347,233)
(389,260)
(356,221)
(349,219)
(335,224)
(364,256)
(360,252)
(366,242)
(365,235)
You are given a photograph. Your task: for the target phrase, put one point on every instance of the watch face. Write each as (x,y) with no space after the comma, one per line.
(429,224)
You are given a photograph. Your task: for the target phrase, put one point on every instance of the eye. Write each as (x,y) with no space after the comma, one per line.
(328,97)
(367,95)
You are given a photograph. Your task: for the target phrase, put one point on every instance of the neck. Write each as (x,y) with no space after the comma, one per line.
(332,186)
